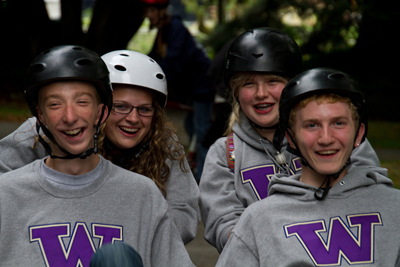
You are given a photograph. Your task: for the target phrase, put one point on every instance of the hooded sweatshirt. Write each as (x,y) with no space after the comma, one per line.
(16,150)
(356,224)
(225,195)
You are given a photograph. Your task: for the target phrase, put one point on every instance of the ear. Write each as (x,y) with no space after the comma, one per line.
(360,135)
(289,135)
(40,115)
(99,111)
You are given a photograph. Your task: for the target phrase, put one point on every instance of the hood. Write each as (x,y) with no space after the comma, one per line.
(248,134)
(358,177)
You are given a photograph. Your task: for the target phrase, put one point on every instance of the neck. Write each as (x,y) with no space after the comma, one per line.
(311,177)
(74,166)
(266,133)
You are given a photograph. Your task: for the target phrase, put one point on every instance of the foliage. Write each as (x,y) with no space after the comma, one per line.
(384,134)
(393,167)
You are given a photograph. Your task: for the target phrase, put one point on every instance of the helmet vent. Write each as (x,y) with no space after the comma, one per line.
(77,48)
(151,60)
(257,55)
(38,67)
(83,61)
(124,55)
(120,67)
(160,76)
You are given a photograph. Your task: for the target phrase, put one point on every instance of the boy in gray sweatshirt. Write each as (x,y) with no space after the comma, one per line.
(59,210)
(327,215)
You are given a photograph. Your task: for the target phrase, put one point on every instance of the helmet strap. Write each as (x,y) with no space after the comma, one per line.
(327,181)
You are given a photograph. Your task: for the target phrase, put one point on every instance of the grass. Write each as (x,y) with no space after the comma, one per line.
(381,134)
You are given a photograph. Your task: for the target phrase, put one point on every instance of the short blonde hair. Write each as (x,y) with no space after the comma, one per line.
(321,98)
(236,82)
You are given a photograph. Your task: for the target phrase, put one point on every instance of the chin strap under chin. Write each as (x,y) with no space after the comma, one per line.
(327,181)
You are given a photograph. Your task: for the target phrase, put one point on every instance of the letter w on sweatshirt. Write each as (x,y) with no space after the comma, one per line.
(81,247)
(355,247)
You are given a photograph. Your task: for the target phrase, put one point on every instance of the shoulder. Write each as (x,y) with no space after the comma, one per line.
(123,178)
(220,143)
(21,175)
(176,25)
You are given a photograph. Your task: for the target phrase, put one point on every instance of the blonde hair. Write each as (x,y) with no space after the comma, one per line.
(163,143)
(236,82)
(321,98)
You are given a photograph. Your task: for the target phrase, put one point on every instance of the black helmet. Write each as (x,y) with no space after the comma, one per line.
(320,81)
(64,63)
(263,50)
(67,62)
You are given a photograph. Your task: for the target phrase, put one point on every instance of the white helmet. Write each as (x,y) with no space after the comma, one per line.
(134,68)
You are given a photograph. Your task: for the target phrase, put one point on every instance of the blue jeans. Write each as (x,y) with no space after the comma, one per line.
(197,123)
(117,254)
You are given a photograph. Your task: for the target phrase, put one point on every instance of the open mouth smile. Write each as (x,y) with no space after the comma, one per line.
(327,152)
(73,133)
(263,107)
(128,130)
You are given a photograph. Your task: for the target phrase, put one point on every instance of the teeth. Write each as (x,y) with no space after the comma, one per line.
(328,152)
(264,106)
(73,132)
(129,130)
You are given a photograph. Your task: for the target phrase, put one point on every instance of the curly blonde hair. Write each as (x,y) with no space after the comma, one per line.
(163,143)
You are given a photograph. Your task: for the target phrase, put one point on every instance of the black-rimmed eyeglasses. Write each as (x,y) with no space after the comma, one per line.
(145,111)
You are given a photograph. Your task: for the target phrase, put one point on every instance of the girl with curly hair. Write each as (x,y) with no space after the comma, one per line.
(138,137)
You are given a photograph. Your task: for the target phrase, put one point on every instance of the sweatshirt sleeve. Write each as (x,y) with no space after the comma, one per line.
(16,149)
(183,200)
(237,253)
(220,206)
(167,247)
(364,155)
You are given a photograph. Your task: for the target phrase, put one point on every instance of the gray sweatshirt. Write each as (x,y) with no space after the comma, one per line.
(225,195)
(182,190)
(45,225)
(356,224)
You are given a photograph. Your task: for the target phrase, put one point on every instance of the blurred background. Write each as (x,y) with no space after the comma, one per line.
(356,36)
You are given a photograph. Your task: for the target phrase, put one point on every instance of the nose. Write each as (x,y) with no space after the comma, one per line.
(133,116)
(70,115)
(262,91)
(325,137)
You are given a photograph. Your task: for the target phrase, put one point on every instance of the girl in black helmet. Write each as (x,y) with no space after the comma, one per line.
(238,168)
(352,218)
(76,195)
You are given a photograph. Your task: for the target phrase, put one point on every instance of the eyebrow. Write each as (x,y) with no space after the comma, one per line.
(76,95)
(331,119)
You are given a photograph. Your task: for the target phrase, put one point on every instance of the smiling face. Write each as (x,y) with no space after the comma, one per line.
(126,131)
(70,110)
(259,96)
(325,134)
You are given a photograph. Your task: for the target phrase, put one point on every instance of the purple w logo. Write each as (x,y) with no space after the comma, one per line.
(80,247)
(259,176)
(340,241)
